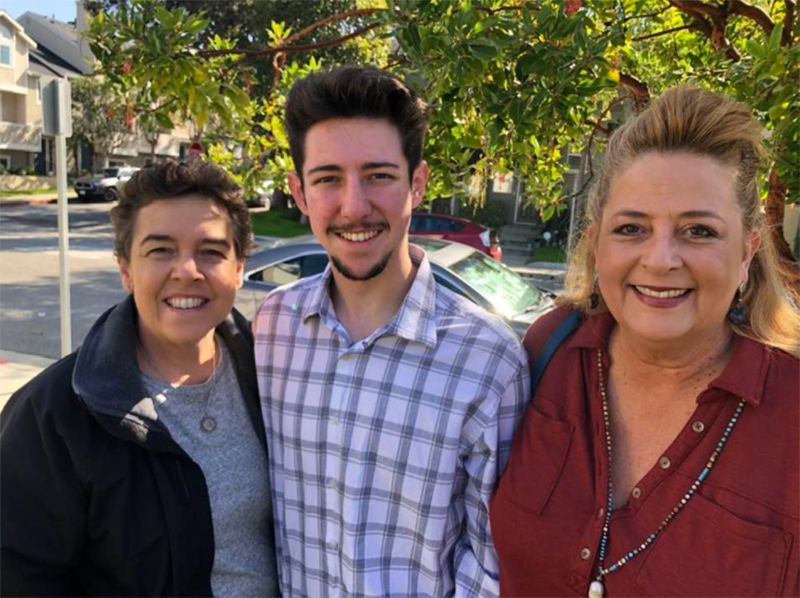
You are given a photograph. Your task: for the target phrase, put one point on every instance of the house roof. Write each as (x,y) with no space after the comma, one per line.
(20,30)
(53,63)
(61,39)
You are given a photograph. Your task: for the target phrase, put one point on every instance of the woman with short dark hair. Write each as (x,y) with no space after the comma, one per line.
(137,465)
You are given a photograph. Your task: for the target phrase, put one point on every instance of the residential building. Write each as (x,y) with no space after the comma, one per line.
(21,117)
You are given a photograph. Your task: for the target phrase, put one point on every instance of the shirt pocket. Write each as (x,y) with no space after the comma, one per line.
(537,459)
(709,551)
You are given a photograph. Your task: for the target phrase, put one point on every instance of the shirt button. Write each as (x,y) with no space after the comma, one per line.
(332,545)
(664,462)
(600,513)
(586,553)
(698,426)
(636,492)
(335,420)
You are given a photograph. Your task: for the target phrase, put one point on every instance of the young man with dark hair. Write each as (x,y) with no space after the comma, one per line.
(389,402)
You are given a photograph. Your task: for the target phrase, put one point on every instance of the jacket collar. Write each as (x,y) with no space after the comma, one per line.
(107,378)
(744,376)
(415,321)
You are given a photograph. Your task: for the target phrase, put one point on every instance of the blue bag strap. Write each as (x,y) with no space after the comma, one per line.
(560,334)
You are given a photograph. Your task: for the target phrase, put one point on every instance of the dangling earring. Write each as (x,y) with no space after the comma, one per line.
(594,298)
(738,313)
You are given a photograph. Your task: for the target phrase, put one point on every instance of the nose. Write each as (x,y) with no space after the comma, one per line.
(354,205)
(186,269)
(661,253)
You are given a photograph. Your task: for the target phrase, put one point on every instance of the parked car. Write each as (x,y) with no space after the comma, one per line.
(459,230)
(458,267)
(106,185)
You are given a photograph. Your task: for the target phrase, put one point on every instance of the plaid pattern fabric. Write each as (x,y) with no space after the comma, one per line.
(384,452)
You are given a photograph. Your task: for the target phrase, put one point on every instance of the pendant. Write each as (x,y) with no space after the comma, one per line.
(596,589)
(209,424)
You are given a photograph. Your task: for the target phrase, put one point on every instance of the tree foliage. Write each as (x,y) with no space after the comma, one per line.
(512,82)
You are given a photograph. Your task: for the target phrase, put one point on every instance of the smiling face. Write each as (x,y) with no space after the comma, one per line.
(183,271)
(670,250)
(357,196)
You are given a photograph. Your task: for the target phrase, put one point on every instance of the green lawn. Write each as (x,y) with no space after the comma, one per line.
(275,223)
(27,192)
(548,254)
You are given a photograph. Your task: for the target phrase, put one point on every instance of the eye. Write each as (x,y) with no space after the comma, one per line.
(325,180)
(699,231)
(158,251)
(382,176)
(628,230)
(213,254)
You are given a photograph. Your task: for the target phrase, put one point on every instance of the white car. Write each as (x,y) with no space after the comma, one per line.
(106,185)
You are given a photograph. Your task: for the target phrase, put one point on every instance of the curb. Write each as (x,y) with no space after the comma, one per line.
(22,201)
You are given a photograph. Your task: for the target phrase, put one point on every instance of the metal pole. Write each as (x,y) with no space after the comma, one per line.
(63,244)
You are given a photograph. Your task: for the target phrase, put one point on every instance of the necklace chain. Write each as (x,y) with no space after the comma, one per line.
(207,423)
(596,589)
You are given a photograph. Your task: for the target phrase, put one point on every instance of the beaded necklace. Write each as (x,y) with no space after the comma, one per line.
(596,588)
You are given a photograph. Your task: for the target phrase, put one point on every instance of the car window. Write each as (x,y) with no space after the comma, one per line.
(291,270)
(454,226)
(507,291)
(111,172)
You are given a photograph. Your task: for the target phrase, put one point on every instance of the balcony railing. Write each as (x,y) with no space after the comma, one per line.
(18,136)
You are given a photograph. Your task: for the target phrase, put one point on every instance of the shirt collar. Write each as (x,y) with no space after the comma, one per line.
(414,321)
(744,376)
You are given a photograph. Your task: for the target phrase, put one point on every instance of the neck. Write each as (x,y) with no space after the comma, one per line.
(177,363)
(364,306)
(679,363)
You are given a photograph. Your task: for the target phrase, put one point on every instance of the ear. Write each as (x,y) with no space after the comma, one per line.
(751,245)
(239,274)
(296,187)
(125,275)
(418,182)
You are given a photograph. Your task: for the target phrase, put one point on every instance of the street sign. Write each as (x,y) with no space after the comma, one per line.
(57,108)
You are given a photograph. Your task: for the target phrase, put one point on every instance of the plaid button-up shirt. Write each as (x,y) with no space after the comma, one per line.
(384,452)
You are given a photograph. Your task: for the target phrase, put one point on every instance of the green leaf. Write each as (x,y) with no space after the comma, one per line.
(165,121)
(483,50)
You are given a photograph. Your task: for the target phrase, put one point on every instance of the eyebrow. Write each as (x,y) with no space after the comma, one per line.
(688,214)
(158,238)
(365,166)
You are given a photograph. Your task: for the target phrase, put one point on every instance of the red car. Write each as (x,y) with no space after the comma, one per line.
(459,230)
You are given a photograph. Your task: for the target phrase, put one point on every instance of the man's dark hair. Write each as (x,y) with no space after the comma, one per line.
(174,180)
(352,92)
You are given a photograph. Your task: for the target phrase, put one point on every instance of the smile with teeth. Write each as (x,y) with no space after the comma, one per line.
(661,294)
(186,302)
(359,237)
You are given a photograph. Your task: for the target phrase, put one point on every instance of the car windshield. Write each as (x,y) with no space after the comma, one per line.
(507,291)
(110,172)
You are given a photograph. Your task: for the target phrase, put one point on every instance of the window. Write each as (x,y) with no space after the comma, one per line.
(291,270)
(37,83)
(5,162)
(6,39)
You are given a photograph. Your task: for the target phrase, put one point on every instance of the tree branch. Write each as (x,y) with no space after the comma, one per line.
(337,17)
(647,16)
(737,7)
(713,30)
(307,48)
(688,8)
(660,33)
(788,22)
(639,89)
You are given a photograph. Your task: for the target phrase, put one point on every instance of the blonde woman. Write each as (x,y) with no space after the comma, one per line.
(659,455)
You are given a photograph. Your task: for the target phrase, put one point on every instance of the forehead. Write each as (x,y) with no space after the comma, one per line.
(352,141)
(674,183)
(181,217)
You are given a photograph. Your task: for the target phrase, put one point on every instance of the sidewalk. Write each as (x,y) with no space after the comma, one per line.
(28,200)
(15,371)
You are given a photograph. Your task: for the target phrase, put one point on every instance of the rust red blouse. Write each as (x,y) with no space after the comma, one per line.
(739,534)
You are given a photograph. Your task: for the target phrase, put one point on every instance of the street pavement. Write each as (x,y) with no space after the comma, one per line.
(15,371)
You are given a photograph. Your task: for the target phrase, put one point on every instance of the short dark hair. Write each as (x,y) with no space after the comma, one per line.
(173,180)
(352,92)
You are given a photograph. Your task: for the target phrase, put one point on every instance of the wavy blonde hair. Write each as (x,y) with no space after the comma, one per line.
(687,119)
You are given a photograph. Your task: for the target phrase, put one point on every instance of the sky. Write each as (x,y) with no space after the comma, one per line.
(63,10)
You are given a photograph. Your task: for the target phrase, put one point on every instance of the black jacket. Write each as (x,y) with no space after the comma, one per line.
(95,496)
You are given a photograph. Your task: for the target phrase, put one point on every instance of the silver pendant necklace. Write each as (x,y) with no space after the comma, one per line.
(208,423)
(596,588)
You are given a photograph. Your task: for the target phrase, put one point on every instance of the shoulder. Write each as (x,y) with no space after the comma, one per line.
(783,377)
(542,329)
(290,296)
(460,320)
(48,397)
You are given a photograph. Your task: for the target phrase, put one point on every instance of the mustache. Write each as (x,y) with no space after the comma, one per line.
(360,226)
